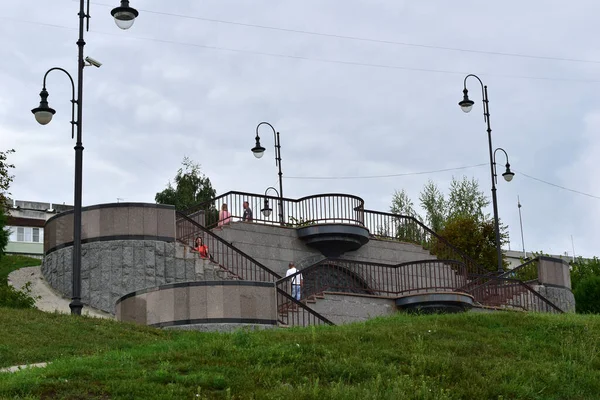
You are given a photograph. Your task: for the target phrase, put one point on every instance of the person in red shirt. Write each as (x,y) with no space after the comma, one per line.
(200,247)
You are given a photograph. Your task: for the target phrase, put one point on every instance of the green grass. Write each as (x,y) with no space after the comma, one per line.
(10,297)
(466,356)
(9,263)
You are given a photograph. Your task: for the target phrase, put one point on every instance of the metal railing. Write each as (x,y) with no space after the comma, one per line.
(393,281)
(291,312)
(317,209)
(526,272)
(231,259)
(377,279)
(366,278)
(331,208)
(510,293)
(403,228)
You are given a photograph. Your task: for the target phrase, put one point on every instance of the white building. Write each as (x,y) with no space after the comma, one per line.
(26,221)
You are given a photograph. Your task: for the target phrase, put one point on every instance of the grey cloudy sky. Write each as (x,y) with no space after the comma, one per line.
(172,87)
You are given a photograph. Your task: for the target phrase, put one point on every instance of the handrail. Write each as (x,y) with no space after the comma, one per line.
(301,315)
(522,271)
(298,212)
(383,280)
(409,227)
(497,291)
(229,257)
(423,276)
(308,210)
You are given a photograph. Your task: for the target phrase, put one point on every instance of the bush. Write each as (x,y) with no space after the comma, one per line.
(12,298)
(587,295)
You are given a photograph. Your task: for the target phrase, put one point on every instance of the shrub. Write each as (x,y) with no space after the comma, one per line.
(587,295)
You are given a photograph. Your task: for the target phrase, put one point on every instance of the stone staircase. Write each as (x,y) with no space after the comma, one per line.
(198,268)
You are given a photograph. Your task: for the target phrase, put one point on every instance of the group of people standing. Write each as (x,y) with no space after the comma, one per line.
(225,216)
(224,219)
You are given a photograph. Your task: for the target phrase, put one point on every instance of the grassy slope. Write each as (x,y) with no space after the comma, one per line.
(468,356)
(9,263)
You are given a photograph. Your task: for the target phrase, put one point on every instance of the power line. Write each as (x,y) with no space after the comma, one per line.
(558,186)
(323,60)
(382,176)
(432,172)
(363,39)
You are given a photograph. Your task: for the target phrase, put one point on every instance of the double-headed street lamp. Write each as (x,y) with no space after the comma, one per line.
(124,18)
(258,151)
(466,105)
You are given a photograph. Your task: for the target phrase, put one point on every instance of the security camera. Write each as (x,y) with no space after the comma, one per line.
(93,62)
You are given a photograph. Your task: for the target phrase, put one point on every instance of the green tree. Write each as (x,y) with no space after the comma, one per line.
(433,202)
(191,188)
(5,180)
(587,295)
(459,218)
(466,198)
(582,269)
(405,229)
(475,238)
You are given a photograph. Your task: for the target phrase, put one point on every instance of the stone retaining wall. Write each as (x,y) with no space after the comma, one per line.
(111,269)
(345,308)
(561,297)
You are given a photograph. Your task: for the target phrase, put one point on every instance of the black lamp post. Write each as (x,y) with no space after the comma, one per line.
(258,151)
(124,18)
(266,210)
(466,105)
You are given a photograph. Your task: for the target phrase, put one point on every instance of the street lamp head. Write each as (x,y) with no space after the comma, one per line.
(258,150)
(43,114)
(466,104)
(266,210)
(508,174)
(124,15)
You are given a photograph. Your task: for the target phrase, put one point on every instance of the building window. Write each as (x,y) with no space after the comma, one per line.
(12,234)
(26,234)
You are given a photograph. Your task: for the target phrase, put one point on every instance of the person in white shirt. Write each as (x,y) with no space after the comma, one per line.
(297,281)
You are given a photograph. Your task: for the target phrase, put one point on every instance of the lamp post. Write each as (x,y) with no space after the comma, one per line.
(266,210)
(258,151)
(124,17)
(466,105)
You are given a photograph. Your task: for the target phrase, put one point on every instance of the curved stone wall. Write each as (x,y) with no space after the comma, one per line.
(115,221)
(125,247)
(218,305)
(111,269)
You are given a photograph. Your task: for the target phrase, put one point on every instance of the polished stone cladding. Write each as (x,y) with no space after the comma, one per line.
(218,305)
(116,221)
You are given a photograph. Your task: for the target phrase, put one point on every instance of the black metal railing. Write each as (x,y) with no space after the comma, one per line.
(231,259)
(403,228)
(291,312)
(510,293)
(317,209)
(526,272)
(367,278)
(393,281)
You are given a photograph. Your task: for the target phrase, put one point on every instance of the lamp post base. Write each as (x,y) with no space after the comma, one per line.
(76,306)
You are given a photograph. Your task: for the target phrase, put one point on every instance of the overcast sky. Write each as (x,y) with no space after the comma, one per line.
(367,88)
